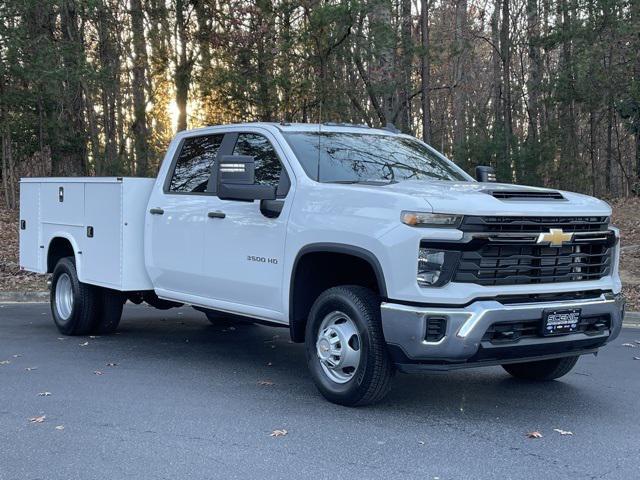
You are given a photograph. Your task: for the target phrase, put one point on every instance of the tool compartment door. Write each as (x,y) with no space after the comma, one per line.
(102,238)
(29,225)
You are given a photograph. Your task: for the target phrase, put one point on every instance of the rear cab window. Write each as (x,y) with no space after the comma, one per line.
(193,165)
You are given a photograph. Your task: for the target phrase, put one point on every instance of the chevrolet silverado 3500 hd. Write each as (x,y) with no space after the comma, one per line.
(374,249)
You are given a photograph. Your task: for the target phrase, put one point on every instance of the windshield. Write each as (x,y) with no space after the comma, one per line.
(368,158)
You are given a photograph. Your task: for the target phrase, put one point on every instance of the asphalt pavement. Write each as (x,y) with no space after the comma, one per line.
(174,397)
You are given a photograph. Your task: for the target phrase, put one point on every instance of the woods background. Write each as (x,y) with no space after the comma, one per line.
(546,91)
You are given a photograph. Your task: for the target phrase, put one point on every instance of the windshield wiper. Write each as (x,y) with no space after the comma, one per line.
(363,182)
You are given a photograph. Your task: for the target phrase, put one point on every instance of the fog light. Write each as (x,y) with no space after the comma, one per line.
(430,266)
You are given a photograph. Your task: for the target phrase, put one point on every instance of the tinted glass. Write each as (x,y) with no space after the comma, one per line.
(268,165)
(193,166)
(358,157)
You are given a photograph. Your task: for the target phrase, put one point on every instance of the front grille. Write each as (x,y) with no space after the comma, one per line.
(534,224)
(514,264)
(505,250)
(513,332)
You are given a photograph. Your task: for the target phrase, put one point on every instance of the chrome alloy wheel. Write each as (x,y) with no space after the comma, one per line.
(338,347)
(64,296)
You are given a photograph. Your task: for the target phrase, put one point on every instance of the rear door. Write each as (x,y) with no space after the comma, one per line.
(174,240)
(244,242)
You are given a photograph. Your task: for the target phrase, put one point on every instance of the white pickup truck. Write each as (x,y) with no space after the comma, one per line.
(373,249)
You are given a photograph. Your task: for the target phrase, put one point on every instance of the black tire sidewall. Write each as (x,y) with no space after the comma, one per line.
(70,325)
(353,390)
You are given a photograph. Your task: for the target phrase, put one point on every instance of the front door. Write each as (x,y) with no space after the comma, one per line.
(174,239)
(245,241)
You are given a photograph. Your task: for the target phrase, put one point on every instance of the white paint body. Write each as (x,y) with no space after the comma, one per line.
(185,256)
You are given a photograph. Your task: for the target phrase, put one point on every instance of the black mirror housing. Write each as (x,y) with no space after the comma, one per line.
(236,180)
(486,174)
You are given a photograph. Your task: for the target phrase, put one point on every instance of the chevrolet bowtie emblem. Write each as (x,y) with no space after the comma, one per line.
(554,237)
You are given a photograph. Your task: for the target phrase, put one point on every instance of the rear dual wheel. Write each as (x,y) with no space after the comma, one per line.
(79,308)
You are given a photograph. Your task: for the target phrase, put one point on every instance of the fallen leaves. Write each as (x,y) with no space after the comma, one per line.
(39,419)
(44,394)
(562,432)
(278,433)
(534,434)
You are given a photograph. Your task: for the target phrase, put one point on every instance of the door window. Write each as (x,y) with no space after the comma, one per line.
(193,166)
(268,166)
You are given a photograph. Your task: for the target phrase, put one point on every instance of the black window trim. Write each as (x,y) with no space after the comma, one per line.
(227,146)
(166,188)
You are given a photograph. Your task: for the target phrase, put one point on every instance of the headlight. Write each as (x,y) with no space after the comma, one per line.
(437,220)
(435,267)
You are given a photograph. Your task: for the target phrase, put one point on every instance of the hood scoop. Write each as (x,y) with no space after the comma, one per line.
(515,195)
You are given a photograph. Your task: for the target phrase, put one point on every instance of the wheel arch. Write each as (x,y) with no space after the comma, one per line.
(61,245)
(348,256)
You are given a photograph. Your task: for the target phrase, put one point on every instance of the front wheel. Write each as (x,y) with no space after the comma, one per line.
(346,351)
(542,370)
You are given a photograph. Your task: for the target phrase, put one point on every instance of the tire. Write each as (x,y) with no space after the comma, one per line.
(359,334)
(75,306)
(543,370)
(112,303)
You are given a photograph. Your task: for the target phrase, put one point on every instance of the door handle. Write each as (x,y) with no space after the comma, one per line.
(156,211)
(216,214)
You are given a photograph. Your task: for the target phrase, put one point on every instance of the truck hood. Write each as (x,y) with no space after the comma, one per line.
(474,198)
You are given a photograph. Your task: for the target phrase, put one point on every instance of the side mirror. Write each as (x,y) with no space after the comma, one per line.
(236,180)
(485,174)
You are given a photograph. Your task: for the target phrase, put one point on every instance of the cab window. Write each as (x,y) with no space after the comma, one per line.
(268,166)
(193,166)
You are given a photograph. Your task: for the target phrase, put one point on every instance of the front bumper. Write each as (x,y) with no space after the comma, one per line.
(463,346)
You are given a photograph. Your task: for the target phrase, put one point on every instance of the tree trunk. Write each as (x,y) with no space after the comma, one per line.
(496,61)
(533,82)
(505,49)
(404,107)
(382,39)
(425,71)
(459,79)
(140,132)
(184,65)
(72,154)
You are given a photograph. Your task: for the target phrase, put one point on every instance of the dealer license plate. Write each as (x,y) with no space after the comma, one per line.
(558,322)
